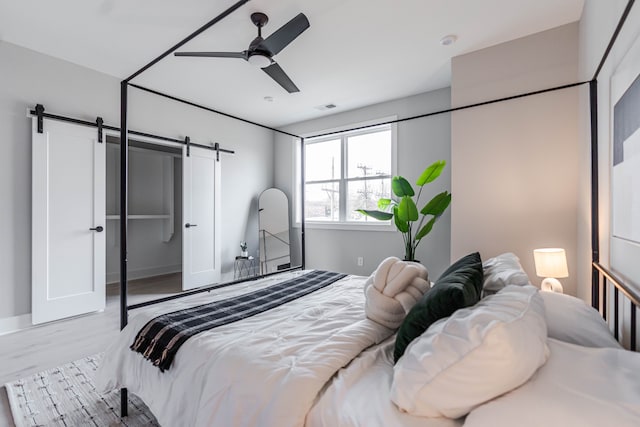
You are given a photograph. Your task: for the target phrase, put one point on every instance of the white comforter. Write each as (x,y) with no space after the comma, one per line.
(359,395)
(262,371)
(578,386)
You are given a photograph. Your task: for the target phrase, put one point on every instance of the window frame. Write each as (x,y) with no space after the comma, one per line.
(343,134)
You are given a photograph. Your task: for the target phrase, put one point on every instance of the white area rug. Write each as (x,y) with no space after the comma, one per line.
(66,396)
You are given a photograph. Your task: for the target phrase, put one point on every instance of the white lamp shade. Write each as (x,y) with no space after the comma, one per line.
(551,262)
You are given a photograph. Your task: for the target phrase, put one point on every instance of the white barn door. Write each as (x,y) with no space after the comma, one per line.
(201,217)
(68,220)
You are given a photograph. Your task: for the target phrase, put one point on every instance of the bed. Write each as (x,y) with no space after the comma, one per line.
(320,361)
(268,368)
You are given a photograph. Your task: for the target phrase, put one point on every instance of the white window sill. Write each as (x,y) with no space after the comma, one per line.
(347,226)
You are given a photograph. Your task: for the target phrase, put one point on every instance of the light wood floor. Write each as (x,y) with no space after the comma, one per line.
(46,346)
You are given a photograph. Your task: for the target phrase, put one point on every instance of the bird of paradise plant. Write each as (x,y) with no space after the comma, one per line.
(404,210)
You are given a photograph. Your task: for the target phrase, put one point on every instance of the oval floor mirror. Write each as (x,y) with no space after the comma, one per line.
(273,222)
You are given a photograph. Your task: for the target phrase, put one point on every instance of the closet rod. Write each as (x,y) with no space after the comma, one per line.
(131,132)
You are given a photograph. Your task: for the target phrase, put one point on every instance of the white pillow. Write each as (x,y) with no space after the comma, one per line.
(578,386)
(501,271)
(471,357)
(570,319)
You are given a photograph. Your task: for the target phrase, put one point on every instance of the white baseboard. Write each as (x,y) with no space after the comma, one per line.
(141,273)
(15,323)
(226,277)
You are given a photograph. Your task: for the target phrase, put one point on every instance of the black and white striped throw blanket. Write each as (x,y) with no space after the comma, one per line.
(161,337)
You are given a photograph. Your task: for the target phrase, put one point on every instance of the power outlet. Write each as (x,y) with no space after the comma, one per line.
(360,261)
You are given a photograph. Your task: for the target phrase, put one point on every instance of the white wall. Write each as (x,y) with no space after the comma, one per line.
(63,88)
(515,163)
(420,142)
(597,24)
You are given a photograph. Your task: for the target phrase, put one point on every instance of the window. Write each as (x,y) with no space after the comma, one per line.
(347,171)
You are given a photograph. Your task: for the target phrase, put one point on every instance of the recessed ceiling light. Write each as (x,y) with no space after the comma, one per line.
(448,40)
(268,98)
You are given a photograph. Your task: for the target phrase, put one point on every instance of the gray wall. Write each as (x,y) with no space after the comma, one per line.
(420,142)
(28,78)
(244,175)
(515,164)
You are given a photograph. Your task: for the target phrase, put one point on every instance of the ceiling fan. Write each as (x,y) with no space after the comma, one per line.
(261,51)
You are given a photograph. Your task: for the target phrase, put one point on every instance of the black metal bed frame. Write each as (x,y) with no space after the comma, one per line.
(600,288)
(601,277)
(619,287)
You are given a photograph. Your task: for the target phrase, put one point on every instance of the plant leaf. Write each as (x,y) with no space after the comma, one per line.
(407,210)
(381,216)
(401,187)
(426,229)
(431,173)
(385,203)
(402,226)
(437,205)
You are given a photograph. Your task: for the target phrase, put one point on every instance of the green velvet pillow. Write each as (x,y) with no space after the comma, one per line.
(458,287)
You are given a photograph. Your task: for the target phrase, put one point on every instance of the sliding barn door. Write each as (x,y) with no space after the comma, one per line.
(201,217)
(68,220)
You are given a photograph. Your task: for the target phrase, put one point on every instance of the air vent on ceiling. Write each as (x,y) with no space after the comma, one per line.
(326,107)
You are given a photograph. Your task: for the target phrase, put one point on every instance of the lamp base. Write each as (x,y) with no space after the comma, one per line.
(551,285)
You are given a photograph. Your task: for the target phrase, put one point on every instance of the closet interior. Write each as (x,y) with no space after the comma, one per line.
(155,214)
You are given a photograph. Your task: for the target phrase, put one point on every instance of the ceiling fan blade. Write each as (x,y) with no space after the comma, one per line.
(276,73)
(285,34)
(241,55)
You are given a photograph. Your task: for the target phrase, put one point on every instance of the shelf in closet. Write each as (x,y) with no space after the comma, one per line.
(166,200)
(167,226)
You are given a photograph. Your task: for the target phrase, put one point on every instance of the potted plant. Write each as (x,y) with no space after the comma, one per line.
(243,249)
(404,209)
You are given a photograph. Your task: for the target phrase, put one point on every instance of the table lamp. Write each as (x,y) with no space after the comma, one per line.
(551,263)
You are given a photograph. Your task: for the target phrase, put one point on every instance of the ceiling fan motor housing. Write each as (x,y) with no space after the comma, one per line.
(257,55)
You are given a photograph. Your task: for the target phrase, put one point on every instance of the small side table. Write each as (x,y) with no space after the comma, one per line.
(244,267)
